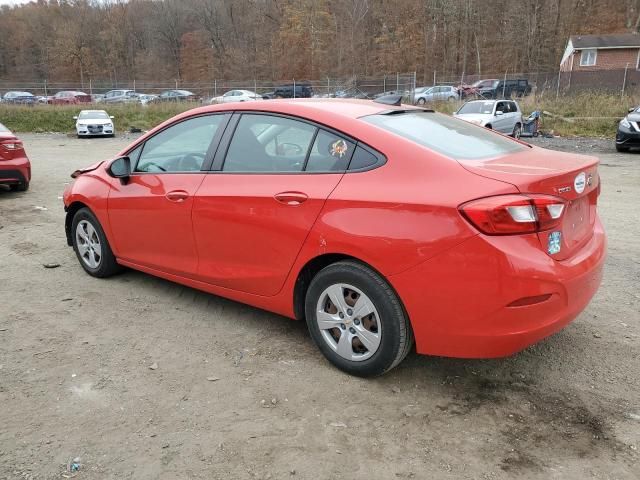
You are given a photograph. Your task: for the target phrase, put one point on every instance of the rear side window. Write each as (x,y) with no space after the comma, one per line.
(362,159)
(446,135)
(270,144)
(330,153)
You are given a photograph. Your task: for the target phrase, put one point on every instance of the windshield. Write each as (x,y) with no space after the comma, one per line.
(476,107)
(86,115)
(446,135)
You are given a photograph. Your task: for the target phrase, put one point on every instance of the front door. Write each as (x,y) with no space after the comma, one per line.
(150,215)
(252,216)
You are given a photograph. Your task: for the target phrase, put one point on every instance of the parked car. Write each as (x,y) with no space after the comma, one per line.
(69,97)
(120,96)
(236,96)
(503,116)
(403,93)
(439,93)
(146,99)
(176,96)
(19,98)
(94,123)
(97,97)
(350,93)
(374,234)
(15,167)
(628,134)
(506,89)
(301,90)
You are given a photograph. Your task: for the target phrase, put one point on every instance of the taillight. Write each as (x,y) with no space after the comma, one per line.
(514,214)
(11,145)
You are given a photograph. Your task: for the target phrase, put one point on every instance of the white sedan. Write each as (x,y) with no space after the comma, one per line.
(94,123)
(237,96)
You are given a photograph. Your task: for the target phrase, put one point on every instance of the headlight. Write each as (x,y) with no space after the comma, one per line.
(625,123)
(108,125)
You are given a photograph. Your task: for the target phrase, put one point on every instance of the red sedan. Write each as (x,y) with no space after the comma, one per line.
(377,224)
(69,98)
(15,168)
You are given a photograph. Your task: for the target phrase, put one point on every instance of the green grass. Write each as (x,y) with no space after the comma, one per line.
(49,118)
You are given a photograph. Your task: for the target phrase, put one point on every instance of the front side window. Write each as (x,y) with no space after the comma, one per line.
(181,147)
(448,136)
(265,143)
(588,57)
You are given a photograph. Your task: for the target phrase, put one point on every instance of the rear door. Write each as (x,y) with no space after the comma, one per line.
(252,214)
(150,215)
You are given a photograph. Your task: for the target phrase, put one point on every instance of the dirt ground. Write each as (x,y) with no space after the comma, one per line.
(75,376)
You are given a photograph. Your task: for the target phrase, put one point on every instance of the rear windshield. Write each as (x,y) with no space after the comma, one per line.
(477,107)
(446,135)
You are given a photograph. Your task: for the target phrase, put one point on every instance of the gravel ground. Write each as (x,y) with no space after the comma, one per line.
(240,393)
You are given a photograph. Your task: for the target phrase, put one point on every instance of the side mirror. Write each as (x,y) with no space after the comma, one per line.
(631,109)
(111,117)
(75,117)
(499,112)
(120,168)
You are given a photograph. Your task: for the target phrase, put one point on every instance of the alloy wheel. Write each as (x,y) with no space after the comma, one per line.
(88,243)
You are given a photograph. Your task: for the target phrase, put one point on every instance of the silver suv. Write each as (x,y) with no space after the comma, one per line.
(503,116)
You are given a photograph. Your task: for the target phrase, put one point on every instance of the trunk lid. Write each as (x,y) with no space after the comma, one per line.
(569,176)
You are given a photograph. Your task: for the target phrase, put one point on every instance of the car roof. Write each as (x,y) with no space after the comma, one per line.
(313,107)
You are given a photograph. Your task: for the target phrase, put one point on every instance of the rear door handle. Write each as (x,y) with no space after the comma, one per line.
(291,198)
(177,196)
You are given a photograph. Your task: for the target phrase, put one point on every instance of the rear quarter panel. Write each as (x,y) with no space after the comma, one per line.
(402,213)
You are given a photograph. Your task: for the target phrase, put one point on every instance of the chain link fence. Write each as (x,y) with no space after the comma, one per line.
(355,86)
(551,84)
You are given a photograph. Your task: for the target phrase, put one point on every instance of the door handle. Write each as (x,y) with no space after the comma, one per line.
(291,198)
(177,196)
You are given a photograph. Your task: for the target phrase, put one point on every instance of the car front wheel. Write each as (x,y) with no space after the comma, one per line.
(421,101)
(356,319)
(91,245)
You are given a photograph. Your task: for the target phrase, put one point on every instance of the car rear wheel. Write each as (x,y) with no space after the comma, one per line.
(20,187)
(517,131)
(91,245)
(357,320)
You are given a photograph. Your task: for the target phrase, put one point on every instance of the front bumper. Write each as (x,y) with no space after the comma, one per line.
(627,137)
(458,302)
(94,130)
(16,171)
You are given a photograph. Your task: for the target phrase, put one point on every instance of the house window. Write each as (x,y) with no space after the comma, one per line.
(588,57)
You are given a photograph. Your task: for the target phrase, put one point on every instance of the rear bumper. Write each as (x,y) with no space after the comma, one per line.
(15,171)
(458,302)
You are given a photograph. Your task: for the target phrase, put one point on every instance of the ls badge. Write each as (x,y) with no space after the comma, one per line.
(554,242)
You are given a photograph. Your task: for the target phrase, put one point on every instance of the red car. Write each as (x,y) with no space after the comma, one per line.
(376,223)
(69,98)
(15,168)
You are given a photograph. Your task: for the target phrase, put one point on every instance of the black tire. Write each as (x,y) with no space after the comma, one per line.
(396,336)
(19,187)
(107,265)
(621,149)
(421,101)
(488,126)
(517,131)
